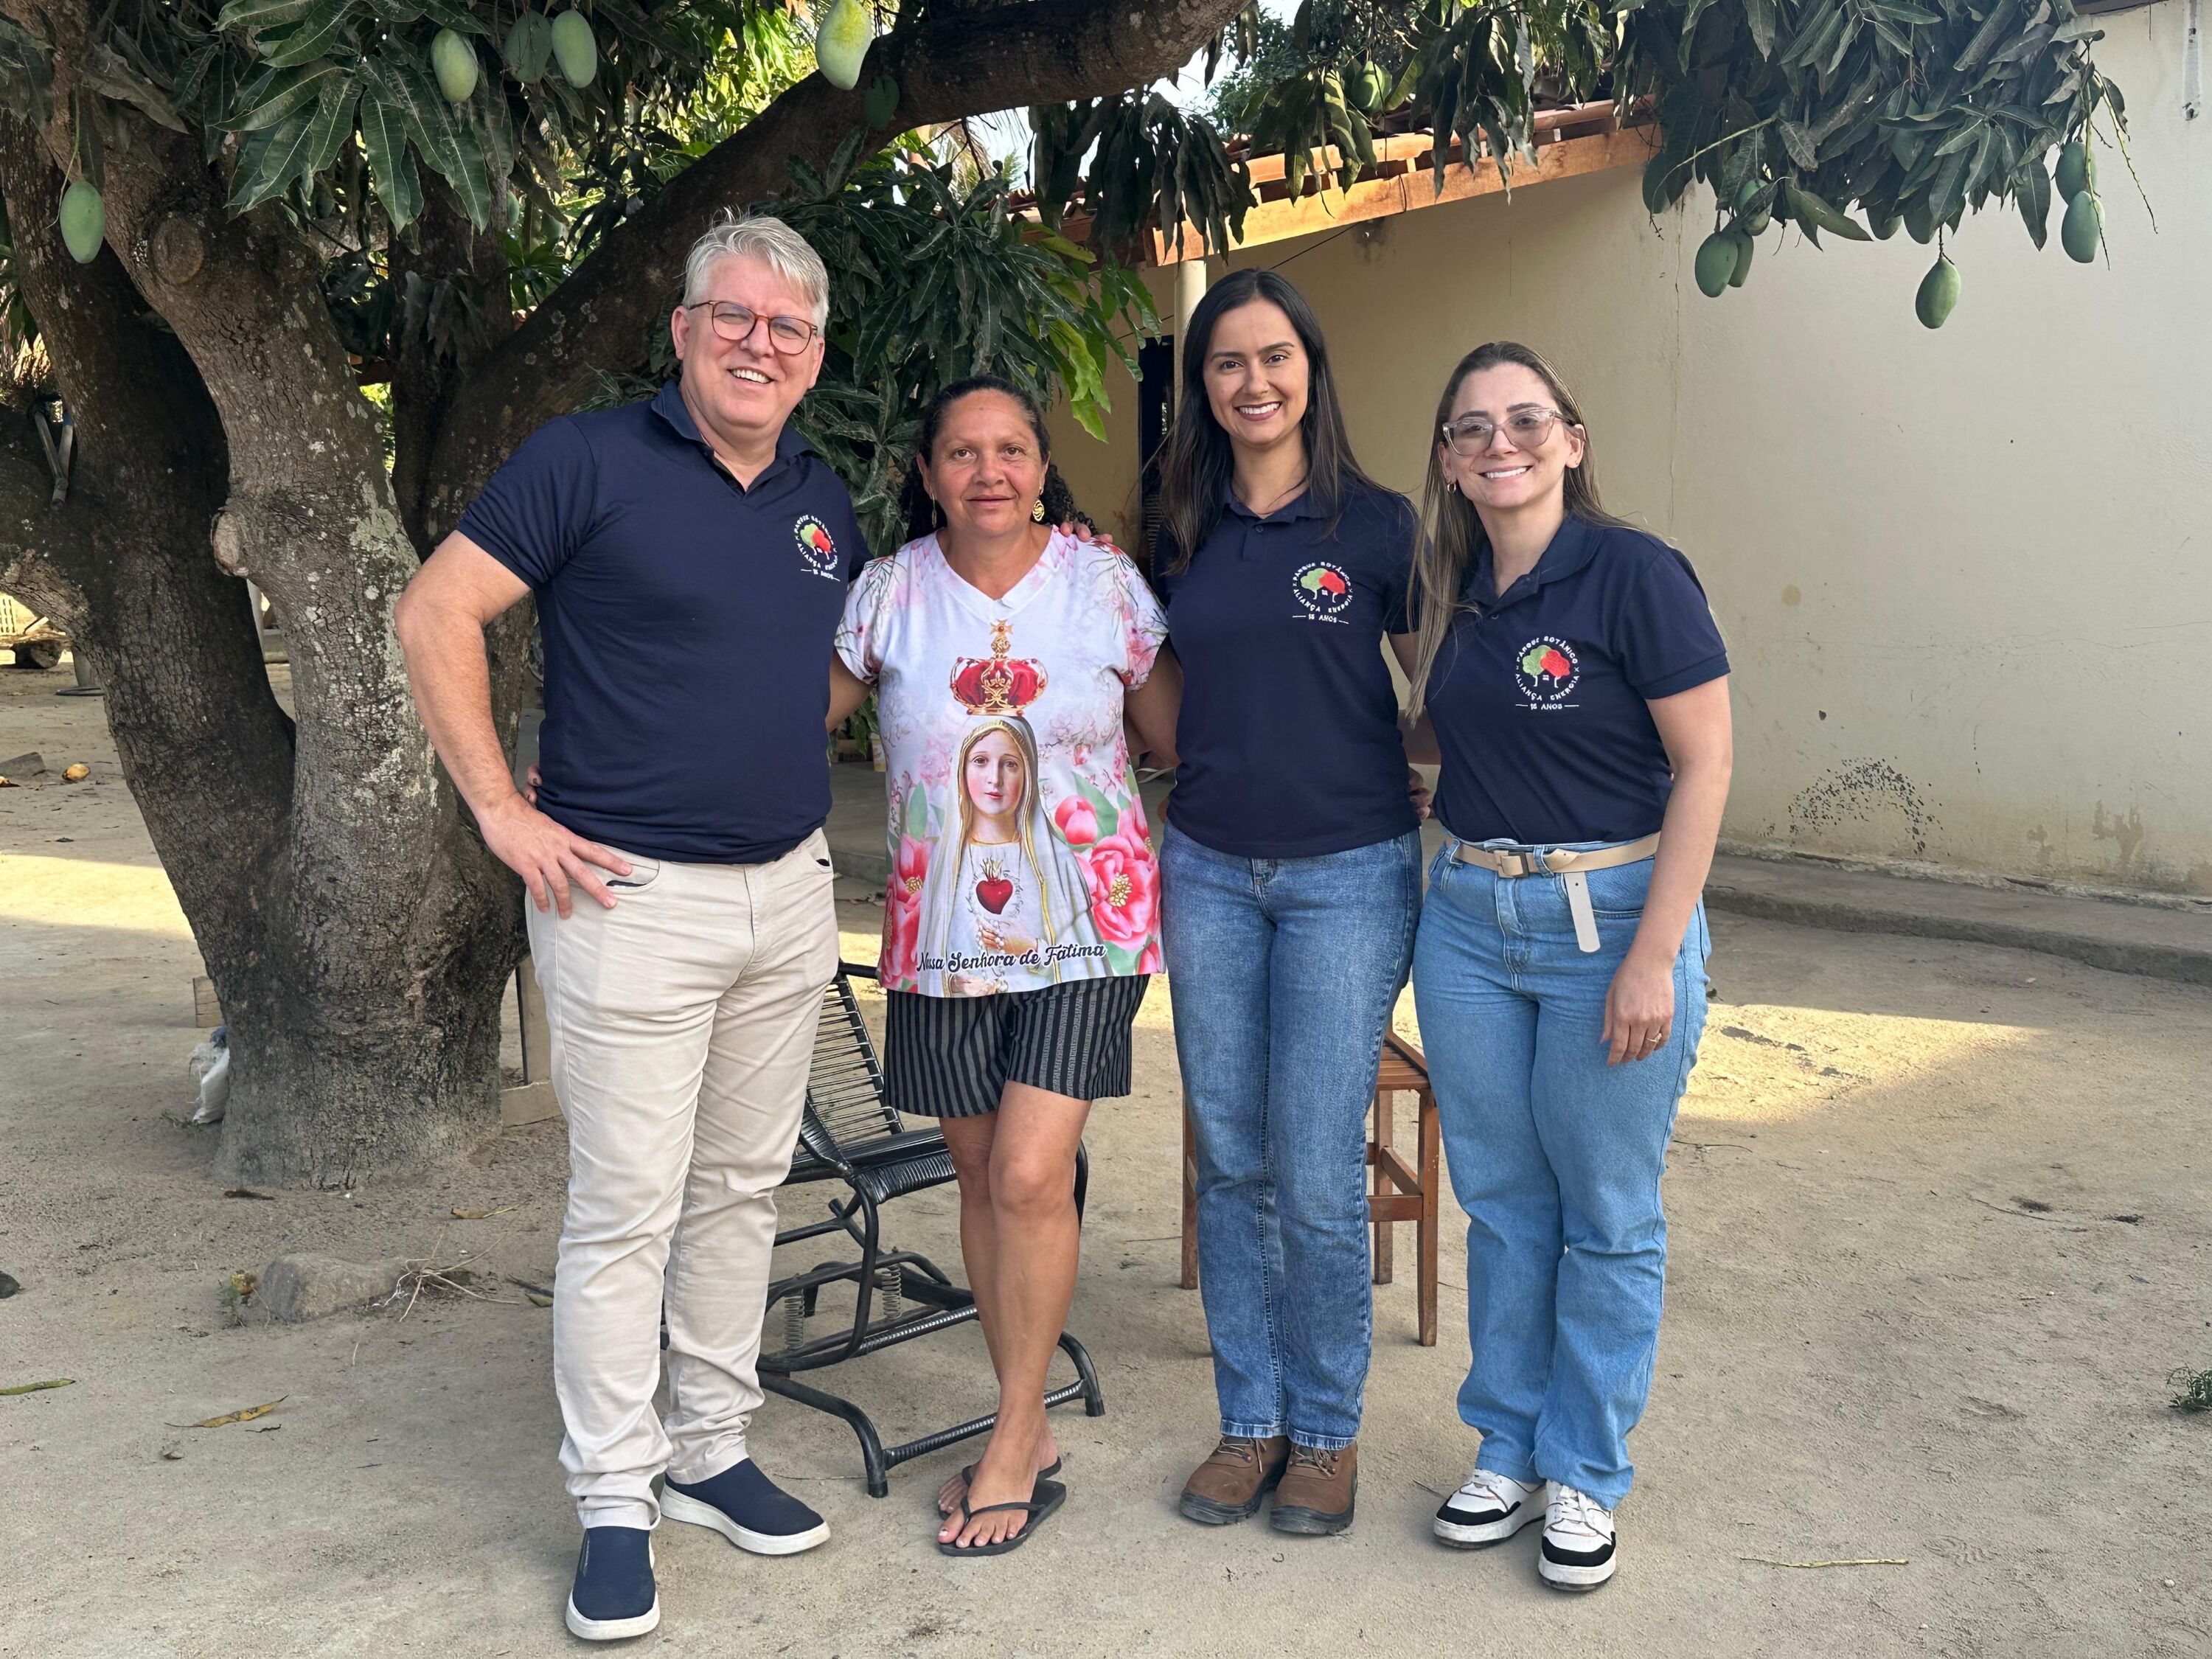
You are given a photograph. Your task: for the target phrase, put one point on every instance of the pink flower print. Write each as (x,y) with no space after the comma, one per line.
(1149,962)
(1132,815)
(1125,889)
(903,913)
(1078,825)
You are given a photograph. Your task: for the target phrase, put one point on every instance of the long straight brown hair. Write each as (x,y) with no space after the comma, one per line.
(1196,470)
(1451,534)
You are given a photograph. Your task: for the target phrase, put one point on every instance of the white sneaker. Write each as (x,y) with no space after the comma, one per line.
(1488,1510)
(1577,1552)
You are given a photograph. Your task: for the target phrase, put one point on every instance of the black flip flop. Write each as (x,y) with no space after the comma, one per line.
(1045,1497)
(967,1477)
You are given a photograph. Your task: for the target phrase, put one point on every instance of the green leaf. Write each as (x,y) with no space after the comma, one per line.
(444,139)
(271,96)
(391,163)
(270,162)
(2032,191)
(105,72)
(261,13)
(1813,209)
(456,17)
(311,38)
(332,124)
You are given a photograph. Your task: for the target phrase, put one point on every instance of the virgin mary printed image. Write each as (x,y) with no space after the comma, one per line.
(1004,900)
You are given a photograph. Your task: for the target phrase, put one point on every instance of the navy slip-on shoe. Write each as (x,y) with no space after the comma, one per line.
(748,1509)
(614,1596)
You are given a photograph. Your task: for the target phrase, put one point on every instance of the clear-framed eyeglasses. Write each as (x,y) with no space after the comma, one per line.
(1526,429)
(734,322)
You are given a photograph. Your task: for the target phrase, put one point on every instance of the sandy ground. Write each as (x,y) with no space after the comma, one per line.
(1940,1231)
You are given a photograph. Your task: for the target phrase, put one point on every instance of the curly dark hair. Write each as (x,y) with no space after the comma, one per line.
(921,513)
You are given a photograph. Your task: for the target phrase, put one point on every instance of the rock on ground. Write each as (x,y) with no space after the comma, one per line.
(296,1288)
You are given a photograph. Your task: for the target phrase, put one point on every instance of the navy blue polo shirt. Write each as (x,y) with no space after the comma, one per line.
(1538,694)
(1289,730)
(687,621)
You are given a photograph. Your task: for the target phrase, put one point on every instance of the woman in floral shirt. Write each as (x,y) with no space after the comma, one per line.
(1022,917)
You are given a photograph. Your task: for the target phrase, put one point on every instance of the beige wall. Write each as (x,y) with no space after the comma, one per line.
(1966,576)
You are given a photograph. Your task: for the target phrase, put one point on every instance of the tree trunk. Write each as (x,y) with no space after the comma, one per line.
(358,934)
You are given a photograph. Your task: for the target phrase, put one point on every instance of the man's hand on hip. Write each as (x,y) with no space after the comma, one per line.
(547,857)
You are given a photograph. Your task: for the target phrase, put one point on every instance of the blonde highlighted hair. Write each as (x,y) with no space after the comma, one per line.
(1451,534)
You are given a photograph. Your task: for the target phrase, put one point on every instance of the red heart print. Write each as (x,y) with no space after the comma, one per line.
(995,891)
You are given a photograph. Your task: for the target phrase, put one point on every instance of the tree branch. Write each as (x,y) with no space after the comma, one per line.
(949,62)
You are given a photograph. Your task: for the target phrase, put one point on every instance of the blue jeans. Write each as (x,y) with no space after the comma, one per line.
(1556,1158)
(1283,972)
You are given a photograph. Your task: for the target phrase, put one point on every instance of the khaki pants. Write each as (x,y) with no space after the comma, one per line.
(682,1025)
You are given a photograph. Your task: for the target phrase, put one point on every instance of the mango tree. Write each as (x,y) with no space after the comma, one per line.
(307,270)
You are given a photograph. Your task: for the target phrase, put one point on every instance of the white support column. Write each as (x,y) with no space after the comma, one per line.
(1190,286)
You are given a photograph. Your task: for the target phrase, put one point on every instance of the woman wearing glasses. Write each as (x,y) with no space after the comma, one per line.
(1291,866)
(1572,682)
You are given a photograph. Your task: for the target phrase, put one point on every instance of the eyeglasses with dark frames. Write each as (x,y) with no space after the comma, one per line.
(734,322)
(1526,429)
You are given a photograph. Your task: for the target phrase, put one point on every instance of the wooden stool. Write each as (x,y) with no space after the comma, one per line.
(1401,1193)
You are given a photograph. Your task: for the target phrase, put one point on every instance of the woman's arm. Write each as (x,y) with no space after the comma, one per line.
(1152,708)
(1420,737)
(847,693)
(1694,725)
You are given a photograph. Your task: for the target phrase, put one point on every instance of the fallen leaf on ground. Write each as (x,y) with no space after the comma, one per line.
(245,1416)
(248,1192)
(170,1456)
(538,1299)
(76,773)
(9,783)
(484,1215)
(33,1387)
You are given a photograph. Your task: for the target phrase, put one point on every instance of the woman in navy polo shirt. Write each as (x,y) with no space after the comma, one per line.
(1292,868)
(1576,691)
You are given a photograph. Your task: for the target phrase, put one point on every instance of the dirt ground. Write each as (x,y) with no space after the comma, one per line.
(1940,1217)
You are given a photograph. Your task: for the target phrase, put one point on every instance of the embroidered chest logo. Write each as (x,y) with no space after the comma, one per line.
(816,545)
(1323,590)
(1547,672)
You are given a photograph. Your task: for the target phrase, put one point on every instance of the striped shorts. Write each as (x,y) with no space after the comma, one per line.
(953,1056)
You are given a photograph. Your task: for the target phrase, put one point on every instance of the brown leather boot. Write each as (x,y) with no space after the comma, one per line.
(1317,1491)
(1230,1485)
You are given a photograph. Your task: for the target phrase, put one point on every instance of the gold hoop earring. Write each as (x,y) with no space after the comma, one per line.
(1037,513)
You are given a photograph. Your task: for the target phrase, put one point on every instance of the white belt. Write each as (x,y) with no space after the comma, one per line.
(1569,865)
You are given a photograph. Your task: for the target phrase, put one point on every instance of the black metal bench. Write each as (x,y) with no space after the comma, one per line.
(848,1135)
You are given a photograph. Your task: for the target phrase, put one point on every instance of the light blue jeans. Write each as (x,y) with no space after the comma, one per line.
(1283,972)
(1555,1157)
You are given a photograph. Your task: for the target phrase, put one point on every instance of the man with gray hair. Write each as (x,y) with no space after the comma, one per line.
(689,556)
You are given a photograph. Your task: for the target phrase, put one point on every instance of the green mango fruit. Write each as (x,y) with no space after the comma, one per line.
(1939,292)
(1367,87)
(1745,247)
(882,101)
(2084,227)
(529,47)
(2077,170)
(1717,262)
(84,221)
(455,61)
(575,48)
(1884,226)
(843,42)
(1757,224)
